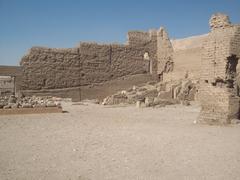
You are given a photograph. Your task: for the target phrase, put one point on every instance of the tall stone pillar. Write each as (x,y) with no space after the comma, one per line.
(220,54)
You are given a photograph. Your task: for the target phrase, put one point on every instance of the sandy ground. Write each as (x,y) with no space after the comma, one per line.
(96,142)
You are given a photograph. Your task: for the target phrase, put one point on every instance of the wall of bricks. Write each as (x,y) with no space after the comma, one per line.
(219,105)
(164,52)
(50,68)
(220,54)
(89,63)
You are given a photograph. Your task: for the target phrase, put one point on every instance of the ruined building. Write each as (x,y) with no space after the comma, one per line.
(93,70)
(49,70)
(219,91)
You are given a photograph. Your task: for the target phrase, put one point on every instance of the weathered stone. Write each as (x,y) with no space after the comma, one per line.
(164,53)
(12,99)
(159,102)
(7,107)
(218,21)
(185,103)
(14,105)
(139,104)
(218,93)
(235,121)
(26,105)
(147,93)
(149,101)
(51,104)
(146,52)
(39,105)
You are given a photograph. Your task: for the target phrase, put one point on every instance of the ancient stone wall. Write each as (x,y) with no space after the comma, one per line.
(164,53)
(145,42)
(218,89)
(221,45)
(106,62)
(46,68)
(136,38)
(89,63)
(219,105)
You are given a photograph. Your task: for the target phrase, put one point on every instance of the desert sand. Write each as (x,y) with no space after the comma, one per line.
(97,142)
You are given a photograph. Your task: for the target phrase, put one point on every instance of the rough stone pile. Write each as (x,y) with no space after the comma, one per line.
(156,94)
(29,102)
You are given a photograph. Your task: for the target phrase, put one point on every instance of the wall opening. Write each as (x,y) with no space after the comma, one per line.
(231,69)
(150,62)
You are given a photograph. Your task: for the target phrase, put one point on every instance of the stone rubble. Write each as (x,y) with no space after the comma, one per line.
(155,94)
(13,102)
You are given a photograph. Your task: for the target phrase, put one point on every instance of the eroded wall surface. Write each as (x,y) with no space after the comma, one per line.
(164,53)
(219,95)
(89,63)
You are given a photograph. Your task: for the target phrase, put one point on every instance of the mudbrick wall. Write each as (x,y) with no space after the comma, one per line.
(164,53)
(89,63)
(50,68)
(219,91)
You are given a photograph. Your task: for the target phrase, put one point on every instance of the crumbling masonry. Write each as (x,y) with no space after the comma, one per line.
(146,52)
(219,90)
(57,72)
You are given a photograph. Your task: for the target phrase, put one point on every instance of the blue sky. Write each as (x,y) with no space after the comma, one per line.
(64,23)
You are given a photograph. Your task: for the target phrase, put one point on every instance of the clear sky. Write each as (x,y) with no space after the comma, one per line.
(64,23)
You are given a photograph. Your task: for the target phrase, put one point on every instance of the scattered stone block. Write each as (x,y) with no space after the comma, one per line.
(26,105)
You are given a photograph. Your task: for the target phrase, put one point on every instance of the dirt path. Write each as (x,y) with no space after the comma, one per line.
(96,142)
